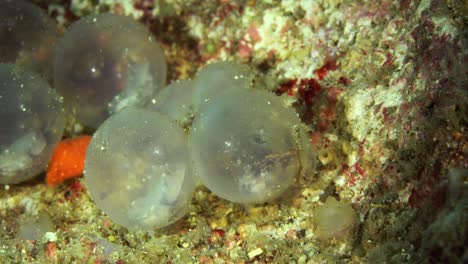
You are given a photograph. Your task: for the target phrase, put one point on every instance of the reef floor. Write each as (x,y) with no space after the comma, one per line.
(382,87)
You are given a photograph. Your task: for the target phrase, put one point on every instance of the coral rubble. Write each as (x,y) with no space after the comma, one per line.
(381,85)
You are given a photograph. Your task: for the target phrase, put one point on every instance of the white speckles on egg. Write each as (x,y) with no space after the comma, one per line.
(261,158)
(175,101)
(32,124)
(219,77)
(147,161)
(105,63)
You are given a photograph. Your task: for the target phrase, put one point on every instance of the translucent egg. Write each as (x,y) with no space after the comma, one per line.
(245,147)
(32,124)
(28,36)
(175,101)
(136,169)
(218,77)
(334,219)
(105,63)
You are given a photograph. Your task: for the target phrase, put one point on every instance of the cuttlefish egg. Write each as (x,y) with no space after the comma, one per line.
(104,63)
(137,169)
(28,37)
(175,101)
(219,77)
(245,147)
(32,123)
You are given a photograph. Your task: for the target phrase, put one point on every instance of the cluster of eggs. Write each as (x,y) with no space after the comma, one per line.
(102,64)
(32,123)
(30,110)
(243,143)
(152,145)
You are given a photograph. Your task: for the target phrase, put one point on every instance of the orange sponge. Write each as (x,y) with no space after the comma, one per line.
(67,160)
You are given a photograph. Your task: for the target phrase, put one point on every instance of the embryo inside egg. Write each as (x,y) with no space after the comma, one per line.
(32,123)
(104,63)
(137,169)
(243,146)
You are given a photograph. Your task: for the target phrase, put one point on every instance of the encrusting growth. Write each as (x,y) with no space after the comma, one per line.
(67,160)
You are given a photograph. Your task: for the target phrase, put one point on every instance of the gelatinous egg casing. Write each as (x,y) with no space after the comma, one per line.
(28,37)
(219,77)
(32,124)
(137,169)
(175,101)
(107,62)
(244,147)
